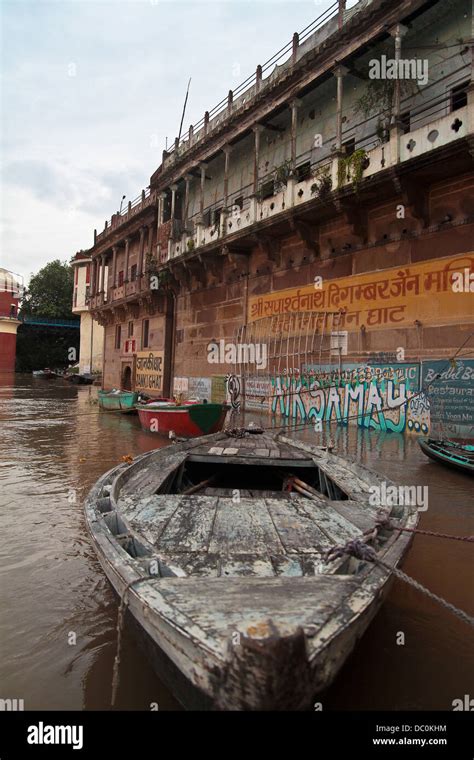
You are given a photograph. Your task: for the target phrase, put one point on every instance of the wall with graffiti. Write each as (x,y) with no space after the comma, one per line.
(374,397)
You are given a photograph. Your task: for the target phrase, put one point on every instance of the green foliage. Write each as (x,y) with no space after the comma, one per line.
(190,244)
(323,181)
(40,347)
(282,172)
(352,168)
(49,293)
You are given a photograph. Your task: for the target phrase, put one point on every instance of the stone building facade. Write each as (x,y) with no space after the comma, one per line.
(91,347)
(322,186)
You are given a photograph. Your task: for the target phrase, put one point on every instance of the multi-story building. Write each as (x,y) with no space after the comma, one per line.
(337,182)
(91,346)
(11,290)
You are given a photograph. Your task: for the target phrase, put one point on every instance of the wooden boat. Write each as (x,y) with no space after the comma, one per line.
(45,374)
(455,455)
(185,420)
(219,545)
(118,401)
(82,379)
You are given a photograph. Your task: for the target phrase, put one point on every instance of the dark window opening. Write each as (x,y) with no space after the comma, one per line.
(216,216)
(459,96)
(267,189)
(118,336)
(405,122)
(130,329)
(120,278)
(303,171)
(239,201)
(145,333)
(206,217)
(133,273)
(167,208)
(349,146)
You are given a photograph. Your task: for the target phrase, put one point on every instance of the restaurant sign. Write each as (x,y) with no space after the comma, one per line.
(149,371)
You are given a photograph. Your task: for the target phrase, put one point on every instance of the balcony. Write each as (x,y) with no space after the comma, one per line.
(133,209)
(429,131)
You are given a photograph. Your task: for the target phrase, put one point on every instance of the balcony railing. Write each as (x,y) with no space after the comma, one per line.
(142,201)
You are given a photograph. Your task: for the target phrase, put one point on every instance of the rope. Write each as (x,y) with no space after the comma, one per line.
(120,621)
(383,521)
(358,548)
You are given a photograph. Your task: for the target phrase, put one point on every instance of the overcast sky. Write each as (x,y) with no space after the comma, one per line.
(90,91)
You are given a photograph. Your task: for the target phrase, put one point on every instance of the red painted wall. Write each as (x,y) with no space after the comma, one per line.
(7,351)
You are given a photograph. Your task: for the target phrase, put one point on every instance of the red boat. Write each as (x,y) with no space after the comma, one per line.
(186,420)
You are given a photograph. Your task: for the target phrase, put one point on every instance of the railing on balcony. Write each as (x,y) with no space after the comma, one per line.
(244,91)
(145,199)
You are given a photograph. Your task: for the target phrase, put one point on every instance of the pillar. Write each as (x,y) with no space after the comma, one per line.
(203,168)
(140,252)
(257,130)
(187,179)
(397,32)
(162,200)
(127,255)
(294,128)
(339,72)
(173,199)
(114,266)
(102,273)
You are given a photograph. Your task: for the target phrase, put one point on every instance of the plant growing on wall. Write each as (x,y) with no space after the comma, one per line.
(323,181)
(151,265)
(190,244)
(282,174)
(351,168)
(378,98)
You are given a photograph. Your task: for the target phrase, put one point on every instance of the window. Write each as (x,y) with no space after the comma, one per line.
(349,146)
(459,96)
(133,273)
(239,201)
(206,218)
(118,336)
(267,189)
(303,171)
(76,274)
(88,274)
(88,293)
(145,333)
(120,278)
(405,122)
(216,216)
(130,329)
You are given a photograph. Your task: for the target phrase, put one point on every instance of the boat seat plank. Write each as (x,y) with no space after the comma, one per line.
(331,522)
(353,512)
(190,526)
(219,606)
(297,529)
(244,527)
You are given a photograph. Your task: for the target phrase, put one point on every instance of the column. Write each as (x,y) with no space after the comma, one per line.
(339,72)
(127,254)
(150,240)
(227,151)
(173,199)
(114,265)
(397,32)
(294,127)
(140,254)
(257,130)
(203,168)
(162,200)
(340,14)
(187,179)
(93,273)
(102,273)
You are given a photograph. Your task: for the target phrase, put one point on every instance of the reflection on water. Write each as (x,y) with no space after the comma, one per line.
(54,443)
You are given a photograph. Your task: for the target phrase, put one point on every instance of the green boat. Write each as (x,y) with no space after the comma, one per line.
(455,455)
(118,401)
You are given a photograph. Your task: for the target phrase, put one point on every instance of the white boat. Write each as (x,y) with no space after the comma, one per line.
(220,544)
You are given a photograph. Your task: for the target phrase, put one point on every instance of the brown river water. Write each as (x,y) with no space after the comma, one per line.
(54,443)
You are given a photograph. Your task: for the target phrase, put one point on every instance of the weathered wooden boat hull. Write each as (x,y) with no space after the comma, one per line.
(123,402)
(186,421)
(455,456)
(239,642)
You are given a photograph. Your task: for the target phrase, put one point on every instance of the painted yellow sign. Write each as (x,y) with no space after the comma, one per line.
(149,371)
(430,292)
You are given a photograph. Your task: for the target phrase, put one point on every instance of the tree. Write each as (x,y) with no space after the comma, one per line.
(49,293)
